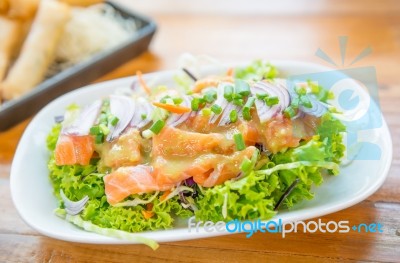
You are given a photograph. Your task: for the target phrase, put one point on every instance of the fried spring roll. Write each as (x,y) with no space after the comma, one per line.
(23,9)
(3,6)
(82,2)
(10,32)
(38,50)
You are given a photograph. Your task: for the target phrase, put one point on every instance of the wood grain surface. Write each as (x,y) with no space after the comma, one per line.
(232,36)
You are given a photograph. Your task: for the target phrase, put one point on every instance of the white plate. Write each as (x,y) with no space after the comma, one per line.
(32,192)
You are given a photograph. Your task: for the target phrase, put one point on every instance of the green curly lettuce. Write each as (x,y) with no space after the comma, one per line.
(247,198)
(78,181)
(331,132)
(256,195)
(52,137)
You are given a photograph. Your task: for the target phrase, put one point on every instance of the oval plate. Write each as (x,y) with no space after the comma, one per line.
(33,196)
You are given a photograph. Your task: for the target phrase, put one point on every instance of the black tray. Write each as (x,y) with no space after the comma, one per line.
(14,111)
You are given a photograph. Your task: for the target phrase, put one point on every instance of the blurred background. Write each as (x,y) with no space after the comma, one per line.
(229,31)
(242,30)
(41,44)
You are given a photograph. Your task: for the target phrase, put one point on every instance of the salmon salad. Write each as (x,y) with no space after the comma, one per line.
(244,144)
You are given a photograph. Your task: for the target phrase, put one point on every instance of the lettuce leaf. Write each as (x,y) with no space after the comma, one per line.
(326,148)
(52,138)
(255,196)
(89,226)
(330,130)
(78,181)
(247,198)
(257,71)
(320,92)
(131,219)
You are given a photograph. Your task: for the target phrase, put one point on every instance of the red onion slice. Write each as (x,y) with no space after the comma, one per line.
(176,119)
(73,207)
(85,120)
(318,108)
(264,111)
(283,86)
(123,108)
(142,108)
(300,114)
(220,101)
(225,119)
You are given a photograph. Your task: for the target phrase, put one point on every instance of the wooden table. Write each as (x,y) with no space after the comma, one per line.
(245,33)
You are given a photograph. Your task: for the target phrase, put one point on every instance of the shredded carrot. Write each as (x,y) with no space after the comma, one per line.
(210,82)
(229,72)
(164,195)
(147,214)
(142,82)
(172,108)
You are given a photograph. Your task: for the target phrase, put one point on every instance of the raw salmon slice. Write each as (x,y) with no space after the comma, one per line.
(74,150)
(211,170)
(125,151)
(131,180)
(279,135)
(207,170)
(176,142)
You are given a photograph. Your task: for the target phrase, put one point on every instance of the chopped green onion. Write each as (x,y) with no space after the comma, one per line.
(195,104)
(271,101)
(305,101)
(165,98)
(99,138)
(177,101)
(210,96)
(289,112)
(104,129)
(295,103)
(242,87)
(250,102)
(113,120)
(262,96)
(228,92)
(216,109)
(238,102)
(240,145)
(301,90)
(95,130)
(147,134)
(246,114)
(246,165)
(143,116)
(103,117)
(247,107)
(233,116)
(157,126)
(236,96)
(206,112)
